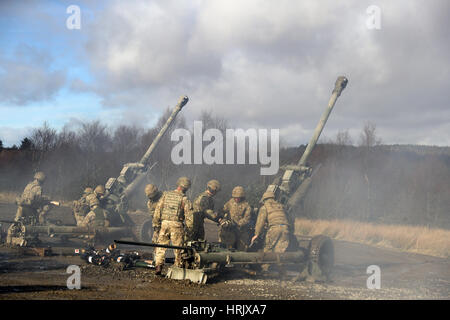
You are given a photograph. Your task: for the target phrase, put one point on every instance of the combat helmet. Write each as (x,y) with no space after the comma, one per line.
(268,195)
(213,186)
(88,190)
(184,182)
(238,192)
(93,202)
(39,176)
(151,190)
(99,189)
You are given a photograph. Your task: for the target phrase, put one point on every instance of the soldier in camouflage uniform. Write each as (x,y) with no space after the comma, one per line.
(32,205)
(203,208)
(273,215)
(96,199)
(98,193)
(153,195)
(97,216)
(81,207)
(234,229)
(169,219)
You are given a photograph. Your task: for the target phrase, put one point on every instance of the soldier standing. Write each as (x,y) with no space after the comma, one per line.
(273,215)
(81,207)
(203,208)
(169,220)
(235,226)
(153,195)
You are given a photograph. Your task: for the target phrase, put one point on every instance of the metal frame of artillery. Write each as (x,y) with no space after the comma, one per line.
(312,260)
(118,191)
(291,188)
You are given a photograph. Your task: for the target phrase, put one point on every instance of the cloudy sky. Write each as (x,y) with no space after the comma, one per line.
(260,64)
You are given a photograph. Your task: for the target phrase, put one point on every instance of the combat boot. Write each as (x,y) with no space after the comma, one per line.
(158,270)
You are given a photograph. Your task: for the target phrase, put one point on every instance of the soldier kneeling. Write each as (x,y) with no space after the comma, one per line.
(97,217)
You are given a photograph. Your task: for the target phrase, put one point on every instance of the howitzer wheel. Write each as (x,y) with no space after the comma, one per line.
(321,251)
(145,231)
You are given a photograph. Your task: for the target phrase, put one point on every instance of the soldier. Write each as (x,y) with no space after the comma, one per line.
(235,226)
(203,208)
(32,205)
(98,193)
(81,207)
(97,216)
(153,195)
(273,215)
(169,220)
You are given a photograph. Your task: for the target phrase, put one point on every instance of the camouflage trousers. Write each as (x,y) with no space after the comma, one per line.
(79,217)
(277,239)
(171,231)
(155,236)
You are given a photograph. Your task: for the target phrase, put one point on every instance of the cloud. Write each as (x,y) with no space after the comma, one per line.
(273,64)
(259,63)
(28,77)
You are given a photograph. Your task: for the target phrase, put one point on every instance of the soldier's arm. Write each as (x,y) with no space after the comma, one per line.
(156,221)
(262,217)
(246,217)
(211,215)
(225,214)
(188,214)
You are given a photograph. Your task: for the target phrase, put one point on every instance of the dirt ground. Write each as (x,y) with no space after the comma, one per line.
(403,276)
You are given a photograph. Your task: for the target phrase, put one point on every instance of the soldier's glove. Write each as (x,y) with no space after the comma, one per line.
(254,241)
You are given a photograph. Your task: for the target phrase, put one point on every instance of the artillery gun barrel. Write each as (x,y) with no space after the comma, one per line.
(340,85)
(169,121)
(156,245)
(241,257)
(8,221)
(74,230)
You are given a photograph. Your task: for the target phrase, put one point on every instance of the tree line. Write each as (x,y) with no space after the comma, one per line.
(364,181)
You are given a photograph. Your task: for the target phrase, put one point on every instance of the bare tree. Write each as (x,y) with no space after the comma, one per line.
(343,138)
(43,140)
(368,137)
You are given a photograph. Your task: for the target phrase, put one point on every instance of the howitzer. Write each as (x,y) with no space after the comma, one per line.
(28,235)
(314,258)
(115,201)
(119,190)
(290,188)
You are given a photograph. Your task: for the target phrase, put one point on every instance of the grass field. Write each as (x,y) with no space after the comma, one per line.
(430,241)
(8,197)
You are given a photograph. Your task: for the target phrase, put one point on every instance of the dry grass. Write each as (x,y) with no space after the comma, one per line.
(8,197)
(430,241)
